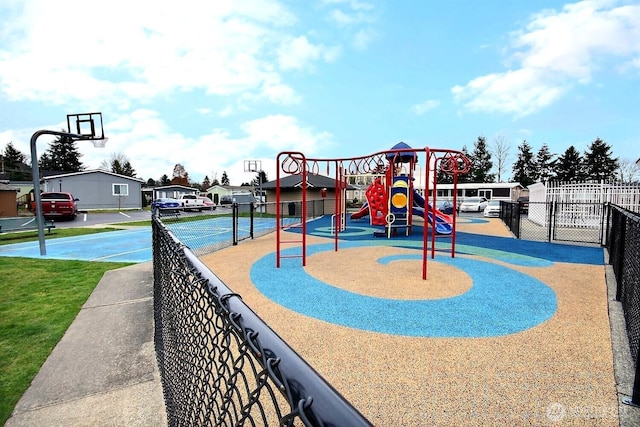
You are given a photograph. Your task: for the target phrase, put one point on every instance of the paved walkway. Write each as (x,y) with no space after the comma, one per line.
(103,371)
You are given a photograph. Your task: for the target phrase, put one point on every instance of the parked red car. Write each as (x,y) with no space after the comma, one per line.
(57,205)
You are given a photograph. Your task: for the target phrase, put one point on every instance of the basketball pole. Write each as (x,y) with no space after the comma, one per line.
(35,171)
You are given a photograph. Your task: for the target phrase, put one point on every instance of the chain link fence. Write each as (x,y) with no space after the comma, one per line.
(209,231)
(219,363)
(581,223)
(623,245)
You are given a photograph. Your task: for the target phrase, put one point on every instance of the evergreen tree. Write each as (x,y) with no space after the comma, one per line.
(444,178)
(118,163)
(598,163)
(466,177)
(122,168)
(62,156)
(164,180)
(482,164)
(261,177)
(14,163)
(524,167)
(151,182)
(544,164)
(447,178)
(206,183)
(225,179)
(568,167)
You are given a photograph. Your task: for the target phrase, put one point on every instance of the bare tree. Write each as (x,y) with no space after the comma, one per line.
(180,175)
(500,152)
(628,170)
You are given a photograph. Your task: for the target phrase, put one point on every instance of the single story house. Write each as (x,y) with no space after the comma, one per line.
(173,191)
(98,189)
(217,192)
(319,188)
(508,191)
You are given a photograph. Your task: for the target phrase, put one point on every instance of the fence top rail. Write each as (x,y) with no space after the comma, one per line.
(634,216)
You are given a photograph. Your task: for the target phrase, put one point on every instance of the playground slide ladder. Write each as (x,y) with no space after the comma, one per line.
(292,161)
(298,239)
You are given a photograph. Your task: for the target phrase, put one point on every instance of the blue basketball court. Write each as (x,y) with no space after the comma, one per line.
(134,245)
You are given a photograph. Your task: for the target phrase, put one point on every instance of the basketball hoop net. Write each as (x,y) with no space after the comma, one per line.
(99,143)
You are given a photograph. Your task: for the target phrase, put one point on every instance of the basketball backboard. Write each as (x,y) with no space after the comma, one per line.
(252,165)
(87,125)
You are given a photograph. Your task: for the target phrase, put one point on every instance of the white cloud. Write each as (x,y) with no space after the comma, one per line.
(350,12)
(280,132)
(363,38)
(426,106)
(519,92)
(141,61)
(555,51)
(139,49)
(353,4)
(154,148)
(298,53)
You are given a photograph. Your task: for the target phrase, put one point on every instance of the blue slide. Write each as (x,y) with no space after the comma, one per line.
(443,222)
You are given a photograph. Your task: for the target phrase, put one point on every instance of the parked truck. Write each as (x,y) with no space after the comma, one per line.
(191,202)
(57,205)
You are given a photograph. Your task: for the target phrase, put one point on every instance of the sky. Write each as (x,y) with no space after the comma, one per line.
(210,85)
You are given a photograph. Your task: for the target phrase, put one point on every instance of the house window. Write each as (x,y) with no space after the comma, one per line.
(120,189)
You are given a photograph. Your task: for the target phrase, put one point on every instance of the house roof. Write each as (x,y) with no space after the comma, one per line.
(472,185)
(51,177)
(232,188)
(175,187)
(295,181)
(5,187)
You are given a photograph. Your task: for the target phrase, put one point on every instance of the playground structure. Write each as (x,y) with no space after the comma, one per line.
(391,199)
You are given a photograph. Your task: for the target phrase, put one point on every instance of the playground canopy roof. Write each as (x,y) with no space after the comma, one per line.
(404,158)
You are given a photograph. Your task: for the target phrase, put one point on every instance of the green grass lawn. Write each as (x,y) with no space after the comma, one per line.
(38,301)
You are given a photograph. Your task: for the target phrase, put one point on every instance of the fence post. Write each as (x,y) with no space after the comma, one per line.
(635,396)
(252,210)
(604,223)
(516,209)
(234,221)
(621,221)
(634,400)
(552,217)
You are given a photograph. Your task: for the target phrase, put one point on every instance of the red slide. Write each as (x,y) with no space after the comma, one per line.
(364,211)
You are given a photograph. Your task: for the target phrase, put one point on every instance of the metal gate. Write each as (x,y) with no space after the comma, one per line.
(576,222)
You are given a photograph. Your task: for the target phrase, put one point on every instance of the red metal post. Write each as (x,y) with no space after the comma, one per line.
(425,234)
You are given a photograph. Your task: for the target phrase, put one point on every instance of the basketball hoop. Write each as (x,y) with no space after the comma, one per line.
(99,143)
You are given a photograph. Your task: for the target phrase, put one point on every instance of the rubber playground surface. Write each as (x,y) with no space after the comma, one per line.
(507,332)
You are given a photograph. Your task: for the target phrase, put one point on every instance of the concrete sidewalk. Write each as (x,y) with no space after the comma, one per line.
(103,371)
